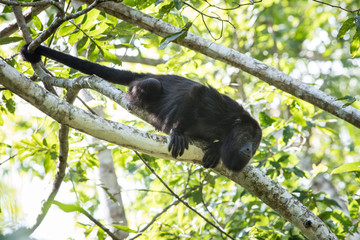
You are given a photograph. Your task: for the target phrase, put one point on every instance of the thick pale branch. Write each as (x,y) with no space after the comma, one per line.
(250,178)
(255,67)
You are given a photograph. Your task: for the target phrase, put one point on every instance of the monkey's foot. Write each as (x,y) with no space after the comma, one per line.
(178,143)
(212,155)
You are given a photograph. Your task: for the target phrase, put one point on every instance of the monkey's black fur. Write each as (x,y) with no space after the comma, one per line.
(181,108)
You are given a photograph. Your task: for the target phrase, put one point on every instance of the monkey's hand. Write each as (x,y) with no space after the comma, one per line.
(212,155)
(178,143)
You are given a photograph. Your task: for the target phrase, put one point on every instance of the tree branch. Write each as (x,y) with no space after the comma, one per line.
(250,65)
(331,5)
(13,26)
(250,178)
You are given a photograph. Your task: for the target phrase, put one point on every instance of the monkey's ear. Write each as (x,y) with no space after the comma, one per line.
(237,121)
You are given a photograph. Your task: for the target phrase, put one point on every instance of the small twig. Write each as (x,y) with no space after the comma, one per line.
(154,219)
(335,6)
(88,215)
(206,208)
(203,15)
(238,5)
(179,198)
(11,157)
(31,4)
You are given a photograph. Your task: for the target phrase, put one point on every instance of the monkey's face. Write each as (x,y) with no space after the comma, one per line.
(241,144)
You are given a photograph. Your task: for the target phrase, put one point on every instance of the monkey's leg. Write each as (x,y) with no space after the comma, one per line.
(141,92)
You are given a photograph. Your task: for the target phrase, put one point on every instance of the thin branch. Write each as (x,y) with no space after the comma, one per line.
(238,5)
(206,207)
(88,215)
(335,6)
(155,218)
(203,15)
(11,157)
(178,197)
(31,4)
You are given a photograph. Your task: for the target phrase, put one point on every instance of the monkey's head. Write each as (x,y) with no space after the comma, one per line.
(241,144)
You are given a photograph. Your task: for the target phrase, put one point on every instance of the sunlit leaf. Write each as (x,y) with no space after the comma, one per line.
(124,228)
(90,19)
(354,208)
(64,31)
(37,22)
(75,37)
(355,45)
(347,167)
(67,207)
(347,25)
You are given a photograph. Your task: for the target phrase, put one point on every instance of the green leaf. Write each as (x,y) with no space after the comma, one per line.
(176,36)
(89,19)
(297,114)
(37,22)
(124,228)
(355,45)
(265,119)
(165,9)
(67,207)
(350,100)
(7,9)
(99,29)
(357,22)
(354,209)
(178,4)
(349,23)
(111,57)
(75,37)
(8,40)
(196,196)
(288,133)
(347,167)
(64,31)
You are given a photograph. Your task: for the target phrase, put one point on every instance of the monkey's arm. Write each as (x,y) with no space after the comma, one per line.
(185,118)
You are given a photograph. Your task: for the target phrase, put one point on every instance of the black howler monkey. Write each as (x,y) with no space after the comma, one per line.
(182,108)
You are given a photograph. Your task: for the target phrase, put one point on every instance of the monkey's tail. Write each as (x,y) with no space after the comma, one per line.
(113,75)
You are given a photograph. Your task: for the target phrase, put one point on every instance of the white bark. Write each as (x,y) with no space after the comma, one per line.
(250,178)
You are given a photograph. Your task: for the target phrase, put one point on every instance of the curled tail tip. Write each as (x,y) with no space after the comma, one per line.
(29,57)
